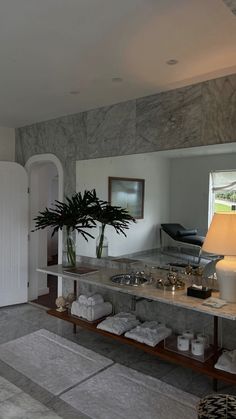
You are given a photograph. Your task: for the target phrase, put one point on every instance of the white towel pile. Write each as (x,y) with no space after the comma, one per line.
(150,333)
(227,361)
(91,308)
(119,324)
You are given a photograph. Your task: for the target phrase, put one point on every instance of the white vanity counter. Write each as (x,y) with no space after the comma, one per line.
(149,291)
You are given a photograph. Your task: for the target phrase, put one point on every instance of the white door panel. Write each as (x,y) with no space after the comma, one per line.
(13,234)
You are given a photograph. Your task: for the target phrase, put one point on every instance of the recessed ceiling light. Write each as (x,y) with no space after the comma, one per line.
(74,92)
(172,61)
(117,79)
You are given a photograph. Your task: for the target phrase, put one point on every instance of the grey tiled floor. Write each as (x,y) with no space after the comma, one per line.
(19,320)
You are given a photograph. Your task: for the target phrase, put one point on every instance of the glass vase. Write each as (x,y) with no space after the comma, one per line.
(69,250)
(101,244)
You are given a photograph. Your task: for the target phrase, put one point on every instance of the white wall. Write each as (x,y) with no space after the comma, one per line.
(7,144)
(143,235)
(189,186)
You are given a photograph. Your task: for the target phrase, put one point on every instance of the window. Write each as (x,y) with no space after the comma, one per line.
(222,192)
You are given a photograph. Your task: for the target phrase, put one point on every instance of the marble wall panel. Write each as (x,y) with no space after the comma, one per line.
(195,115)
(169,120)
(59,136)
(219,110)
(110,131)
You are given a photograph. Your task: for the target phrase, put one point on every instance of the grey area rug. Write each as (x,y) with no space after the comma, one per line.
(89,382)
(120,393)
(51,361)
(16,404)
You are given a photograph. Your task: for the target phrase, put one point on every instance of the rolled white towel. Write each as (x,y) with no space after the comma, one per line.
(78,309)
(82,299)
(75,308)
(99,310)
(95,299)
(83,311)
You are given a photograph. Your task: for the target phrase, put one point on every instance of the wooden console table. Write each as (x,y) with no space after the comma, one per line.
(179,298)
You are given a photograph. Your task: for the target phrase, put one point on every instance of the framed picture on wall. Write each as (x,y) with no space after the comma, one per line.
(127,193)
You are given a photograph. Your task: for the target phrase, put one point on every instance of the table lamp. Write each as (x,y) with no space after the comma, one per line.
(221,239)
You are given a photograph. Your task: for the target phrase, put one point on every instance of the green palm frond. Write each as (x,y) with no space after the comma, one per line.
(107,214)
(74,213)
(80,213)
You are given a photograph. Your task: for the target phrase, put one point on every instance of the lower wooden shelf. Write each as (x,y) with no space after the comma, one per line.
(206,367)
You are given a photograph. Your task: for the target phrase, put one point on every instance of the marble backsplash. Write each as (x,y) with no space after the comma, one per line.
(196,115)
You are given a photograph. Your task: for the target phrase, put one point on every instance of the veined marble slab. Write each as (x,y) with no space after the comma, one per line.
(169,119)
(51,361)
(177,298)
(120,392)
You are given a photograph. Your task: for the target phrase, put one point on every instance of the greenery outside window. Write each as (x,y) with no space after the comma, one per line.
(222,193)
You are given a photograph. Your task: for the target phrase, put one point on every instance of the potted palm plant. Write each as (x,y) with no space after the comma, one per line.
(107,214)
(75,214)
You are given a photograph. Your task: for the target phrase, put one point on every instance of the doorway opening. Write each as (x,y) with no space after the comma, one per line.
(45,187)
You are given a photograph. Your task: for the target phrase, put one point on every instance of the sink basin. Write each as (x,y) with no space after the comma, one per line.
(133,280)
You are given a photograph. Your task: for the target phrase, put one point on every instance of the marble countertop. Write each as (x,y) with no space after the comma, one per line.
(102,275)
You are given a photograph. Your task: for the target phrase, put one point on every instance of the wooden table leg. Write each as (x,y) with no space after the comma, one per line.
(215,342)
(215,346)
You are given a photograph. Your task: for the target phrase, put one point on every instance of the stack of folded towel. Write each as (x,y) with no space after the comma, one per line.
(150,333)
(91,308)
(119,324)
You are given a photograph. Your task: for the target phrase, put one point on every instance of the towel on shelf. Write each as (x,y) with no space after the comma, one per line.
(79,310)
(150,333)
(227,361)
(84,309)
(82,299)
(95,299)
(150,325)
(75,309)
(97,311)
(119,324)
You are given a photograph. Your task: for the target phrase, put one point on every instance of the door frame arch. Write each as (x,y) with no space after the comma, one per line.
(51,158)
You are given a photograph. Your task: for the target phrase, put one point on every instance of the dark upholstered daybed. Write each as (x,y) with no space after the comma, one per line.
(180,234)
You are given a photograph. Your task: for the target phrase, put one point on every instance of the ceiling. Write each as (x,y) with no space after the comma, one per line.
(59,56)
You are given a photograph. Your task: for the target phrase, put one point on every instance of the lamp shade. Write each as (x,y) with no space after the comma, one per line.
(221,236)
